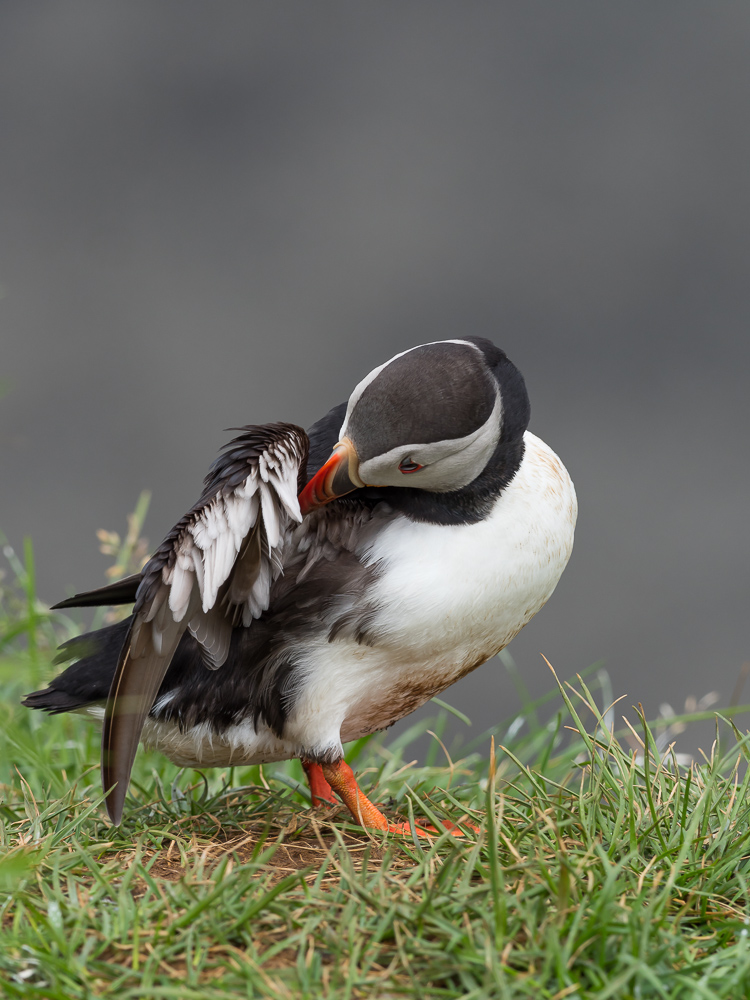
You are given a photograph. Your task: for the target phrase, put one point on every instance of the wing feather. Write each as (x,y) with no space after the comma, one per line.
(213,631)
(121,592)
(214,569)
(246,568)
(134,689)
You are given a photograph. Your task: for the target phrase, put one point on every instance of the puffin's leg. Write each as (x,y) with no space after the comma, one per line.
(341,779)
(320,791)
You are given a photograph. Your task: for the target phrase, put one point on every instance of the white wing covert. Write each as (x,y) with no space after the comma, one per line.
(212,572)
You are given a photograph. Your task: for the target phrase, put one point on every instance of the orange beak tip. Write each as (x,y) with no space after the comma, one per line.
(333,480)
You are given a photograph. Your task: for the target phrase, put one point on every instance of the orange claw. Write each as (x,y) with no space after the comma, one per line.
(320,791)
(340,778)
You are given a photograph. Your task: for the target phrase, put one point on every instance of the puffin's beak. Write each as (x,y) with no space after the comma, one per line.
(338,476)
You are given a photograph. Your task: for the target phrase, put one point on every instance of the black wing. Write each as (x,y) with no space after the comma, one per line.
(213,571)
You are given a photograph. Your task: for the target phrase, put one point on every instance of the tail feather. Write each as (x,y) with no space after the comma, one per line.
(53,701)
(88,680)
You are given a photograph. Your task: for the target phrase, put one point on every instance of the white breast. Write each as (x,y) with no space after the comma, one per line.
(477,584)
(448,597)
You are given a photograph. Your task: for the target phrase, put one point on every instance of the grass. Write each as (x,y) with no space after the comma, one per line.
(599,869)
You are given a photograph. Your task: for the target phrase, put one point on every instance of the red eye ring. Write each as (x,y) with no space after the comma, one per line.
(406,466)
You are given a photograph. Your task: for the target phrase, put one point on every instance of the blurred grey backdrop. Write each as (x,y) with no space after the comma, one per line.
(217,214)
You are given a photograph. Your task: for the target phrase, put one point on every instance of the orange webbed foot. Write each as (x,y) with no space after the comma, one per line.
(340,778)
(428,830)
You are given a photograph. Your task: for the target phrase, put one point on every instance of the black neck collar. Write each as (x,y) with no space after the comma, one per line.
(470,504)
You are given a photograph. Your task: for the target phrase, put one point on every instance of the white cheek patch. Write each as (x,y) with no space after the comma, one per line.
(448,465)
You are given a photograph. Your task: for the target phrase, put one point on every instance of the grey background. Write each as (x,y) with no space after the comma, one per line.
(215,214)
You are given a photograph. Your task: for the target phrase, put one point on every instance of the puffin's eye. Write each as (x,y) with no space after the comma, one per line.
(406,465)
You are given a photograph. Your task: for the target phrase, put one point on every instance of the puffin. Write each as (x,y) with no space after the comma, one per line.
(326,584)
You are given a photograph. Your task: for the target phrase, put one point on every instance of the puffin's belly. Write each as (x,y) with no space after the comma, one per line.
(199,746)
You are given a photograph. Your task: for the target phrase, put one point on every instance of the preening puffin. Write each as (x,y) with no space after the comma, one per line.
(327,584)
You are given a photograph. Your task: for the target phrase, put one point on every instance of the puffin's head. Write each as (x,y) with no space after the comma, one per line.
(429,419)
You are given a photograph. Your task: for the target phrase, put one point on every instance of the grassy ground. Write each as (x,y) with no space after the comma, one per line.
(598,870)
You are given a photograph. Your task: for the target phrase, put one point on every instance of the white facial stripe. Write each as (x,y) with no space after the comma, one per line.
(361,386)
(448,465)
